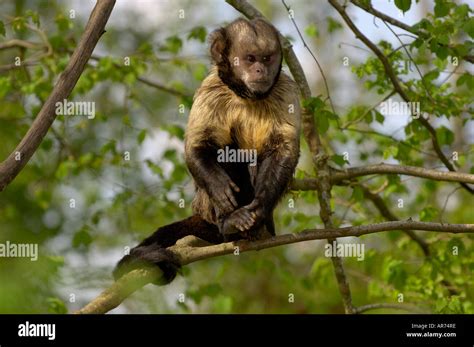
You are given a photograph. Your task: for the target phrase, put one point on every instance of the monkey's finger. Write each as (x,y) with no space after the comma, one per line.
(224,204)
(247,220)
(231,198)
(234,186)
(248,225)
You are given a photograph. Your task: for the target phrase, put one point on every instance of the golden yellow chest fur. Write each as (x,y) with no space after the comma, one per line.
(228,119)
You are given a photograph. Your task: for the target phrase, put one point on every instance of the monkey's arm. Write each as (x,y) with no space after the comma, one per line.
(274,175)
(201,160)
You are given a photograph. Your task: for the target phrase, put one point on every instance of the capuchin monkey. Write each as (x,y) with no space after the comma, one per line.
(245,105)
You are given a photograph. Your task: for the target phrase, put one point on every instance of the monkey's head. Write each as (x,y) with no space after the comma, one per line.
(248,57)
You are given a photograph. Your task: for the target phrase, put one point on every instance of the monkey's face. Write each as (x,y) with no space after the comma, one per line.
(248,56)
(257,68)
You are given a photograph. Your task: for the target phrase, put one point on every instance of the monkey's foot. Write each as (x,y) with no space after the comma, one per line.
(240,220)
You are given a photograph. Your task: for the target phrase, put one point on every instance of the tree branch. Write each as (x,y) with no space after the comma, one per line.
(338,176)
(119,291)
(403,307)
(20,44)
(15,162)
(383,168)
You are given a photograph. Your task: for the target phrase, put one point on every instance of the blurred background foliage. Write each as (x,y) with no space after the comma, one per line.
(82,201)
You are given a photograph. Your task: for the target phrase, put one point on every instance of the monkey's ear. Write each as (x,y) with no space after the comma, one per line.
(217,43)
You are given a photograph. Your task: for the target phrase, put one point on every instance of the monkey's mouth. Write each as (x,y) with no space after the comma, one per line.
(259,86)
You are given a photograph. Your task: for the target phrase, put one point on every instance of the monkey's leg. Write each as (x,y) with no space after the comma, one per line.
(273,176)
(152,251)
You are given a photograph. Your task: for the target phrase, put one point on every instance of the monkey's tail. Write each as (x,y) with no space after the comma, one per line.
(152,251)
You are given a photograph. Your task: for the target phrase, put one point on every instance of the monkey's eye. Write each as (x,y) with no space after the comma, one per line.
(251,58)
(267,58)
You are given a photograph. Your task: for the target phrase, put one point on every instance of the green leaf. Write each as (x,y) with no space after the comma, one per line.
(65,169)
(403,5)
(200,72)
(339,160)
(209,290)
(321,269)
(333,24)
(428,214)
(322,122)
(223,304)
(379,117)
(81,238)
(390,151)
(311,30)
(368,118)
(394,273)
(464,79)
(19,24)
(174,130)
(357,194)
(110,146)
(441,52)
(47,144)
(443,39)
(198,33)
(5,86)
(441,8)
(154,168)
(141,136)
(34,17)
(2,28)
(313,104)
(444,135)
(56,306)
(62,22)
(173,44)
(468,27)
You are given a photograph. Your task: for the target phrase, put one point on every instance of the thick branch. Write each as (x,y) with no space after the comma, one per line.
(382,168)
(15,162)
(119,291)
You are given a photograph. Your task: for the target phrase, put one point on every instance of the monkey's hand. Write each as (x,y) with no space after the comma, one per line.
(244,218)
(221,191)
(148,256)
